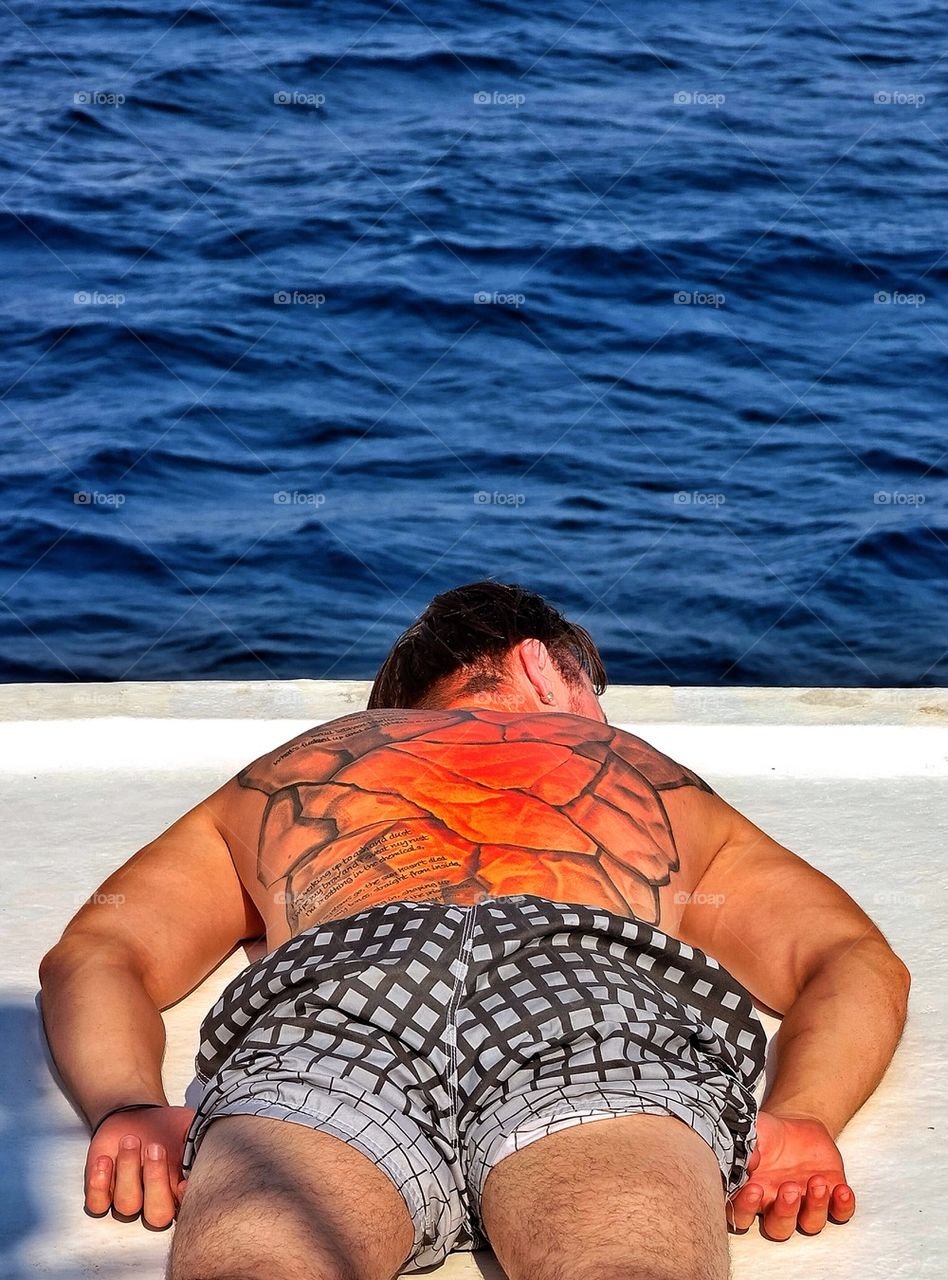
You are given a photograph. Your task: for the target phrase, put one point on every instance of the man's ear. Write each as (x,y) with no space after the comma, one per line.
(536,663)
(527,654)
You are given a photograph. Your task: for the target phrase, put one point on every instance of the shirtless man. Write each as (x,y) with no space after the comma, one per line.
(508,995)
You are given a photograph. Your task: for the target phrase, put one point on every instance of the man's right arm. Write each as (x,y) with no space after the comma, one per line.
(105,1031)
(151,933)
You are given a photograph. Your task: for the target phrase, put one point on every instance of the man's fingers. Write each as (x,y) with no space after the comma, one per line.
(791,1208)
(815,1206)
(780,1220)
(99,1186)
(745,1206)
(127,1196)
(842,1203)
(159,1206)
(142,1184)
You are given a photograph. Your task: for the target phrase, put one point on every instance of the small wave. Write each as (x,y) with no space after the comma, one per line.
(182,77)
(106,339)
(885,462)
(917,552)
(162,460)
(870,58)
(98,546)
(420,63)
(176,17)
(86,120)
(164,106)
(584,502)
(34,229)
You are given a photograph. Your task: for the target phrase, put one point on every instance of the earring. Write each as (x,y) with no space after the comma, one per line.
(548,696)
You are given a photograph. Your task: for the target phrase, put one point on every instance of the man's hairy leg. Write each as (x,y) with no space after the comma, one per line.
(273,1198)
(633,1197)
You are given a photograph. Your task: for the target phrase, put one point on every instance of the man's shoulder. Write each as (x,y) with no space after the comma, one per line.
(662,771)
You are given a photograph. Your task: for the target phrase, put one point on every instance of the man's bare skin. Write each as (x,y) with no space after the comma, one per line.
(461,804)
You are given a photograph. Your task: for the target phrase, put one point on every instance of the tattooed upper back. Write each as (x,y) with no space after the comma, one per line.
(458,806)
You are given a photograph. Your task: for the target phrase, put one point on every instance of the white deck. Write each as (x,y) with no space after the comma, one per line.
(854,781)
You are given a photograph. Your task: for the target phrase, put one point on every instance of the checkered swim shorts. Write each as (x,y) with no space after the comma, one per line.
(438,1039)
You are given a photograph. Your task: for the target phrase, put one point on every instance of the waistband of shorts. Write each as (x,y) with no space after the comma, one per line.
(538,914)
(491,904)
(571,915)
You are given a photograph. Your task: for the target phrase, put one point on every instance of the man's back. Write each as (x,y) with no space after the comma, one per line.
(462,805)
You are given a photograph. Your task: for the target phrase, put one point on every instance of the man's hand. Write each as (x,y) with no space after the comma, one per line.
(796,1179)
(123,1170)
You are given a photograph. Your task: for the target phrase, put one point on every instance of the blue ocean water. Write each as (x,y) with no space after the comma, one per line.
(314,310)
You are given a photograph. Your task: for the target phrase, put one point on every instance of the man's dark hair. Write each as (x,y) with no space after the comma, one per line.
(471,630)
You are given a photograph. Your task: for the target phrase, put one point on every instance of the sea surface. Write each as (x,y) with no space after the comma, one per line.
(311,311)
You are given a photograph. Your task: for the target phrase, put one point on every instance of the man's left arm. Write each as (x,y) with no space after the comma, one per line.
(806,950)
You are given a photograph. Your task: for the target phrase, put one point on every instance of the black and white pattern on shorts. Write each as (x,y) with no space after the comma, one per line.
(437,1039)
